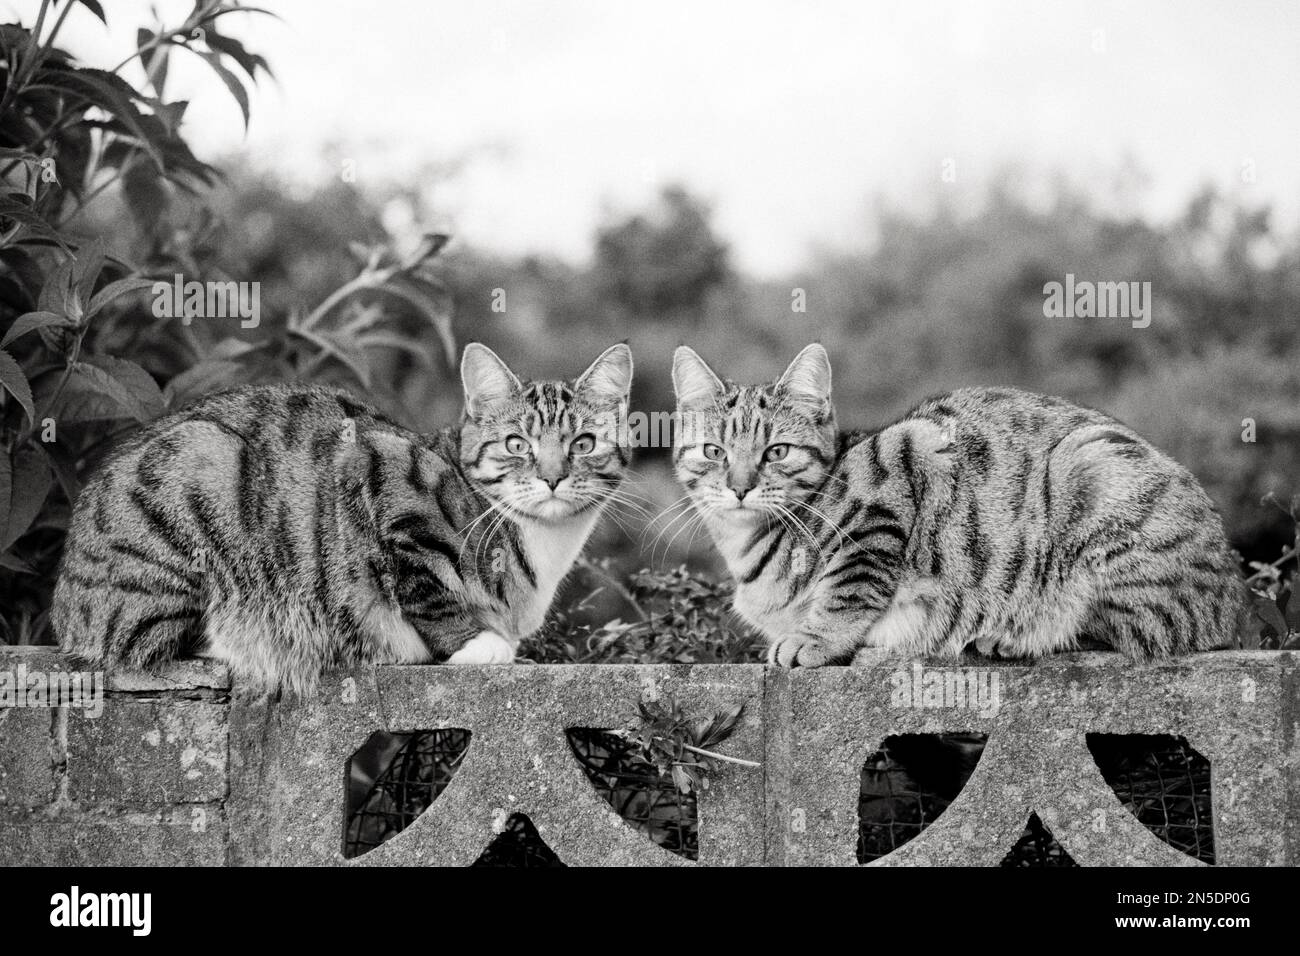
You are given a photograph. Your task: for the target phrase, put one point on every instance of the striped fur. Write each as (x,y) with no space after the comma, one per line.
(1018,523)
(287,528)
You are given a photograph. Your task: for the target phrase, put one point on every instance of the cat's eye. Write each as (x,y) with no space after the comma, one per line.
(516,444)
(583,445)
(776,452)
(714,452)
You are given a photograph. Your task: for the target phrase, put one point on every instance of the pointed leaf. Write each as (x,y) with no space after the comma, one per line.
(208,376)
(117,289)
(65,469)
(16,384)
(231,81)
(250,63)
(155,59)
(231,348)
(127,384)
(31,485)
(94,7)
(86,266)
(1268,613)
(31,321)
(57,293)
(24,216)
(1292,614)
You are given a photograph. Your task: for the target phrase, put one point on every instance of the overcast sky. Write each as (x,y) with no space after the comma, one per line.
(788,116)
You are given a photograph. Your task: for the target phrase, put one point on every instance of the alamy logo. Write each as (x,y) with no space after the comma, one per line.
(22,687)
(191,300)
(134,910)
(947,688)
(1102,300)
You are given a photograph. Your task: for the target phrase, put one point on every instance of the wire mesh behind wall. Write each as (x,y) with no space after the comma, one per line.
(905,785)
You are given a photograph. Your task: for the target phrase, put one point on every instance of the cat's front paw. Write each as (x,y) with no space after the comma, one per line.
(799,650)
(486,647)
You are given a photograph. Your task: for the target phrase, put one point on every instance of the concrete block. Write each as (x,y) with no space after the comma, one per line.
(180,836)
(148,752)
(26,761)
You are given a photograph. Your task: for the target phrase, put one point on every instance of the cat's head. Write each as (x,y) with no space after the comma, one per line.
(749,451)
(548,450)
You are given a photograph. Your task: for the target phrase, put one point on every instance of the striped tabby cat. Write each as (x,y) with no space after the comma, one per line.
(1019,523)
(287,528)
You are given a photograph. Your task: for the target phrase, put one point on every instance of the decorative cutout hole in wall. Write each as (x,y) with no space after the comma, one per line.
(908,783)
(633,787)
(1164,782)
(1037,847)
(392,779)
(519,844)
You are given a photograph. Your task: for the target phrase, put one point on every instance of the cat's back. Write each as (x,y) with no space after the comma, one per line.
(248,429)
(1017,429)
(238,465)
(285,416)
(1012,415)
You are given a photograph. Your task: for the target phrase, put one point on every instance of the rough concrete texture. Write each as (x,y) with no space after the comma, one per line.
(178,676)
(1238,709)
(137,777)
(187,678)
(174,773)
(183,836)
(288,802)
(148,752)
(26,763)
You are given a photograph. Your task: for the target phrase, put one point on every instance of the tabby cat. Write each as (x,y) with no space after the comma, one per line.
(286,528)
(1017,523)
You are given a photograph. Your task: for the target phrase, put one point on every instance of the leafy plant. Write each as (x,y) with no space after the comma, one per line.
(1274,621)
(83,358)
(680,618)
(682,747)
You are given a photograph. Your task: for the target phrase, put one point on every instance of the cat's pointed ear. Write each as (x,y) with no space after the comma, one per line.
(609,378)
(808,379)
(693,380)
(486,378)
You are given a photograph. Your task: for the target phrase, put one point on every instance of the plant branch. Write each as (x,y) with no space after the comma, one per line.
(1292,554)
(58,24)
(717,756)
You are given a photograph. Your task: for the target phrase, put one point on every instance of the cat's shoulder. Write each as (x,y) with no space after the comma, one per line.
(289,398)
(995,405)
(982,399)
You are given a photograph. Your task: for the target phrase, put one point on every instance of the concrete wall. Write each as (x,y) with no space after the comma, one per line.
(178,770)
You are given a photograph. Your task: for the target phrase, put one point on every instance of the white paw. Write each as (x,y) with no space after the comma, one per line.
(798,650)
(486,647)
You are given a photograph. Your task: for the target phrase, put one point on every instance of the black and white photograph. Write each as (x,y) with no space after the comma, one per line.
(559,433)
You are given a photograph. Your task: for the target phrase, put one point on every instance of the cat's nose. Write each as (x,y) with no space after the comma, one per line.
(553,483)
(742,479)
